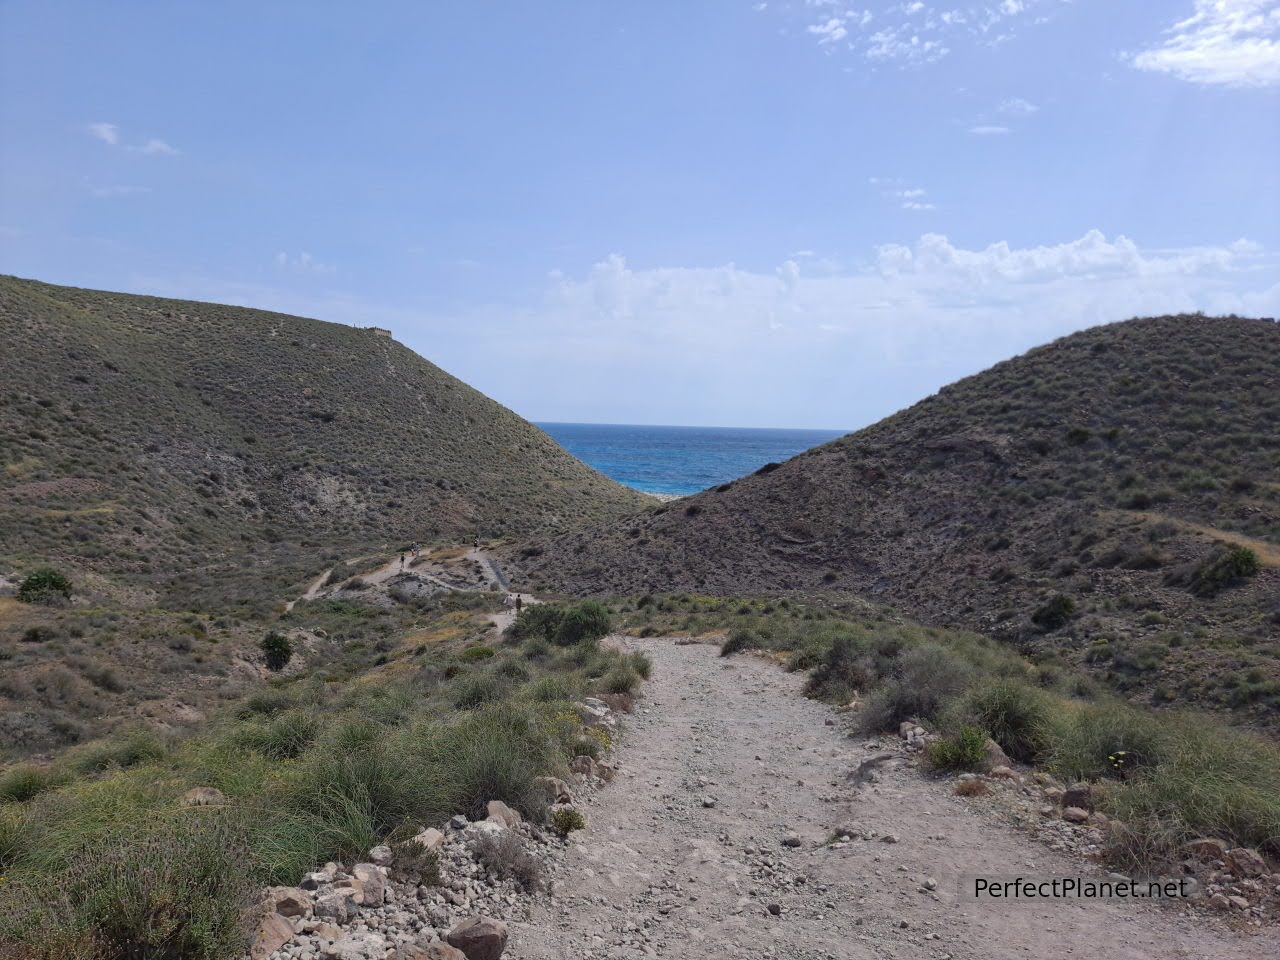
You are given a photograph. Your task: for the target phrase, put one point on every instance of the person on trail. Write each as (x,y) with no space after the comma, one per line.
(477,541)
(519,603)
(402,561)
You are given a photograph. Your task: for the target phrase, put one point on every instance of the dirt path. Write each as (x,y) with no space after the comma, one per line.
(659,872)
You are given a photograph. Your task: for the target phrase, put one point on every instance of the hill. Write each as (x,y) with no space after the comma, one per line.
(1088,500)
(190,466)
(191,447)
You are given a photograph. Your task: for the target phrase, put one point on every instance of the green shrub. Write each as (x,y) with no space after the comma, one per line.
(621,679)
(962,750)
(277,651)
(564,820)
(552,689)
(587,622)
(537,620)
(45,586)
(641,664)
(844,669)
(24,781)
(1228,565)
(739,639)
(924,680)
(179,892)
(1019,717)
(1055,613)
(282,736)
(1092,739)
(138,746)
(476,654)
(479,689)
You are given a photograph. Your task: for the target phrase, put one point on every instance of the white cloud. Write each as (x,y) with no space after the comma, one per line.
(989,130)
(833,31)
(1017,107)
(106,132)
(908,198)
(155,146)
(301,263)
(118,190)
(1225,42)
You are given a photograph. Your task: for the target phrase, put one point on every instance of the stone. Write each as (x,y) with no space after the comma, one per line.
(1054,794)
(500,813)
(338,906)
(430,951)
(272,932)
(458,822)
(318,878)
(1003,773)
(583,765)
(792,840)
(775,909)
(708,802)
(606,770)
(1075,815)
(381,855)
(993,756)
(373,883)
(1245,862)
(203,797)
(288,901)
(1219,902)
(554,790)
(905,729)
(1240,903)
(430,839)
(366,946)
(479,938)
(1078,795)
(1207,848)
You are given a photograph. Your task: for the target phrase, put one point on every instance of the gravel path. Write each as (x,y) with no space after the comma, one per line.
(684,854)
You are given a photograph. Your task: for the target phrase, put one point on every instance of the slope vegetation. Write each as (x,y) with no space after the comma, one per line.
(184,447)
(1092,500)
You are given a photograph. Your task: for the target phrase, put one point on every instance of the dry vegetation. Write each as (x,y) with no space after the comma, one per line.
(1099,497)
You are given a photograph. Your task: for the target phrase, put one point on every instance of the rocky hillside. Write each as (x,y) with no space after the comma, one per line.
(213,454)
(1092,500)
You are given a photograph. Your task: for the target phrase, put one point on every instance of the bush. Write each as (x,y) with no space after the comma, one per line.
(506,857)
(45,586)
(739,639)
(621,679)
(1019,717)
(139,746)
(277,651)
(962,750)
(475,654)
(1227,566)
(479,689)
(536,620)
(587,622)
(843,670)
(1057,612)
(26,780)
(641,664)
(178,892)
(1097,734)
(564,820)
(925,679)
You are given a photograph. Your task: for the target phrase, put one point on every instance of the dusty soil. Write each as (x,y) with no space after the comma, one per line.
(660,873)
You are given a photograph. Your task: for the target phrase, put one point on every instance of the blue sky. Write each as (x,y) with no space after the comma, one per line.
(712,212)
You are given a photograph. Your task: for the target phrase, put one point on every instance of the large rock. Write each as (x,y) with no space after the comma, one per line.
(479,938)
(381,855)
(1075,815)
(374,884)
(1078,795)
(288,901)
(271,932)
(356,946)
(429,839)
(203,797)
(554,790)
(431,951)
(1244,862)
(583,765)
(319,878)
(500,813)
(993,756)
(338,906)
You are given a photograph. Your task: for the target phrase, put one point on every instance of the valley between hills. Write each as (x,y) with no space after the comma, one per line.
(265,691)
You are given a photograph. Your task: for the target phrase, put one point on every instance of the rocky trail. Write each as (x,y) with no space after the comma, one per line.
(715,840)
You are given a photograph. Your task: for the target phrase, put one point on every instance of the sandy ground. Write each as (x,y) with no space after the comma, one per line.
(683,856)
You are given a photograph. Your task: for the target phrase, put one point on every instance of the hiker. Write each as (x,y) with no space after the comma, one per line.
(402,561)
(519,603)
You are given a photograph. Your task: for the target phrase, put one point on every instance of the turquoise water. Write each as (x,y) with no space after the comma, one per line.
(680,460)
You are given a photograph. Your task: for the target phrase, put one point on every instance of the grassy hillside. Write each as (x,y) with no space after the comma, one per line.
(190,466)
(193,449)
(1091,500)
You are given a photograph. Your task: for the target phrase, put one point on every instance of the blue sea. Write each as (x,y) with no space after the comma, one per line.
(680,460)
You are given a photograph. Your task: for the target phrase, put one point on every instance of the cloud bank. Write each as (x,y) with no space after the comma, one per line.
(1234,43)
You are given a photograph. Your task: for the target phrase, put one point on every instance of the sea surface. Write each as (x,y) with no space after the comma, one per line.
(680,460)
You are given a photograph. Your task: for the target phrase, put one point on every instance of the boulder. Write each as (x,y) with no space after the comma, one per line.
(431,951)
(905,729)
(595,716)
(337,905)
(1207,848)
(479,938)
(374,884)
(203,797)
(1075,815)
(288,901)
(583,765)
(356,946)
(319,878)
(554,790)
(1054,794)
(606,769)
(500,813)
(1078,795)
(1245,862)
(270,934)
(381,855)
(482,828)
(993,756)
(429,839)
(1003,773)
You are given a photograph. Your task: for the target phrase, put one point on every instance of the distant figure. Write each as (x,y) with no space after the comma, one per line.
(477,542)
(519,603)
(402,561)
